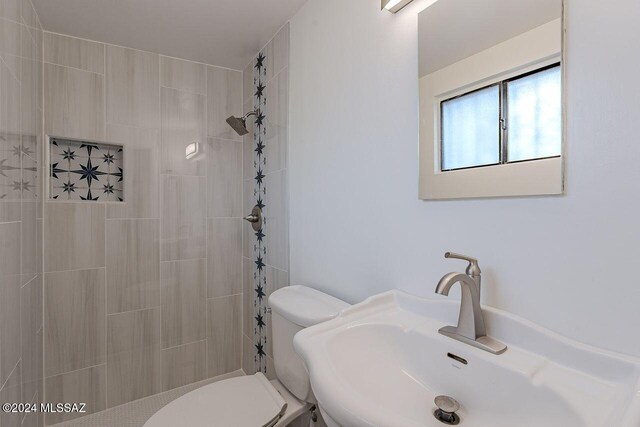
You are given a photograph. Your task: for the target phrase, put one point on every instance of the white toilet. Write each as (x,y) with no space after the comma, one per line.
(254,401)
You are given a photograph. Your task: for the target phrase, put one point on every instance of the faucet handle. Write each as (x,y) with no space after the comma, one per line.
(473,269)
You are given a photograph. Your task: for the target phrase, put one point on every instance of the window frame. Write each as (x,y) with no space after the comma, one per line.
(502,128)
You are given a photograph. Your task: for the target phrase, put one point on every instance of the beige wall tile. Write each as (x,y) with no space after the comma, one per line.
(9,324)
(183,75)
(31,250)
(86,385)
(133,355)
(132,87)
(224,256)
(10,351)
(183,222)
(9,142)
(224,178)
(248,351)
(224,99)
(248,151)
(184,307)
(10,45)
(249,201)
(78,228)
(30,323)
(73,103)
(277,122)
(74,320)
(247,83)
(277,52)
(30,113)
(183,122)
(72,52)
(10,9)
(133,264)
(248,293)
(29,14)
(224,334)
(11,392)
(276,215)
(10,281)
(141,180)
(10,249)
(184,365)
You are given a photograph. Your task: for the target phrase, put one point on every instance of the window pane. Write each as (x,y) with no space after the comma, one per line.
(470,134)
(535,116)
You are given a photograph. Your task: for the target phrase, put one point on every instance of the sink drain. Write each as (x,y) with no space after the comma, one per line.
(446,412)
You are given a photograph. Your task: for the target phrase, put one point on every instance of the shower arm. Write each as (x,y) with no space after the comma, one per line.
(251,113)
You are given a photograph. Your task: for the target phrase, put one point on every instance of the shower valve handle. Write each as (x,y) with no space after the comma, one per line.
(255,218)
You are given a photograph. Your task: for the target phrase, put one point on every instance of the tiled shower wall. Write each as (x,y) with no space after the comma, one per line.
(266,252)
(20,210)
(142,296)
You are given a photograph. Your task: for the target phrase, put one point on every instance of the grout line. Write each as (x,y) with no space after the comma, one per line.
(75,270)
(225,296)
(190,92)
(139,50)
(73,68)
(76,370)
(217,138)
(133,311)
(286,67)
(183,345)
(10,373)
(132,219)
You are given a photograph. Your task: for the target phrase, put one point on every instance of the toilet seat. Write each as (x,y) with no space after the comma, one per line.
(249,401)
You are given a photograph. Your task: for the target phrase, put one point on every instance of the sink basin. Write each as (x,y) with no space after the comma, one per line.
(382,362)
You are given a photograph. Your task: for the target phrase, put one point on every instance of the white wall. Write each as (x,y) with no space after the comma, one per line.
(358,228)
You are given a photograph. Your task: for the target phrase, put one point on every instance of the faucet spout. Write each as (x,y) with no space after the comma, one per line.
(448,280)
(470,320)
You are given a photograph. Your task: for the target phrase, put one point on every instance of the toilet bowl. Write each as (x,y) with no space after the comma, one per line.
(253,400)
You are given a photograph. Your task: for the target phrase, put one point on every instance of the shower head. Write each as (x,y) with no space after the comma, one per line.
(239,124)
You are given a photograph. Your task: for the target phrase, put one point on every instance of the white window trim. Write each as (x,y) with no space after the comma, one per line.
(521,54)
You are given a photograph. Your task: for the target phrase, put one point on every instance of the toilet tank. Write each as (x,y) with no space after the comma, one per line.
(294,308)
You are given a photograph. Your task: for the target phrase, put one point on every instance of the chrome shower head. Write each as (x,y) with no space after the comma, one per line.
(239,124)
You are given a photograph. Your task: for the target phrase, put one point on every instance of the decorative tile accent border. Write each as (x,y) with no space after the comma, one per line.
(85,171)
(259,192)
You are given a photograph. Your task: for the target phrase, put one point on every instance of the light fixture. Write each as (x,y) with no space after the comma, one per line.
(394,5)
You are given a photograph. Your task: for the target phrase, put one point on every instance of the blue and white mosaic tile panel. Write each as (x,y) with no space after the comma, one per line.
(86,171)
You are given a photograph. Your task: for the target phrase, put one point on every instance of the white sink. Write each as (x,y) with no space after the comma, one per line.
(382,362)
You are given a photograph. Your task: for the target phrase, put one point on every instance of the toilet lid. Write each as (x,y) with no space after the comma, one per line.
(249,401)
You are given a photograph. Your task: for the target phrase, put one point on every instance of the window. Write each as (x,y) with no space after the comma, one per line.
(515,120)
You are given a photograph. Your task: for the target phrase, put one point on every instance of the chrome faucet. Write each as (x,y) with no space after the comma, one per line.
(471,329)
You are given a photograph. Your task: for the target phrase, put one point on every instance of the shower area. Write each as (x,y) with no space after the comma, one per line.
(128,273)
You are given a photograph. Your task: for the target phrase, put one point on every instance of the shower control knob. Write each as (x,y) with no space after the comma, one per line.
(255,218)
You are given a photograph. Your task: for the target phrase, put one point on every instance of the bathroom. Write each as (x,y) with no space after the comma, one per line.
(319,212)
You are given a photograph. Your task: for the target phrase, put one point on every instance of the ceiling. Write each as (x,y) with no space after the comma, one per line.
(227,33)
(452,30)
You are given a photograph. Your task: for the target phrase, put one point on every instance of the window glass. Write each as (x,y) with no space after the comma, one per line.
(470,132)
(534,116)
